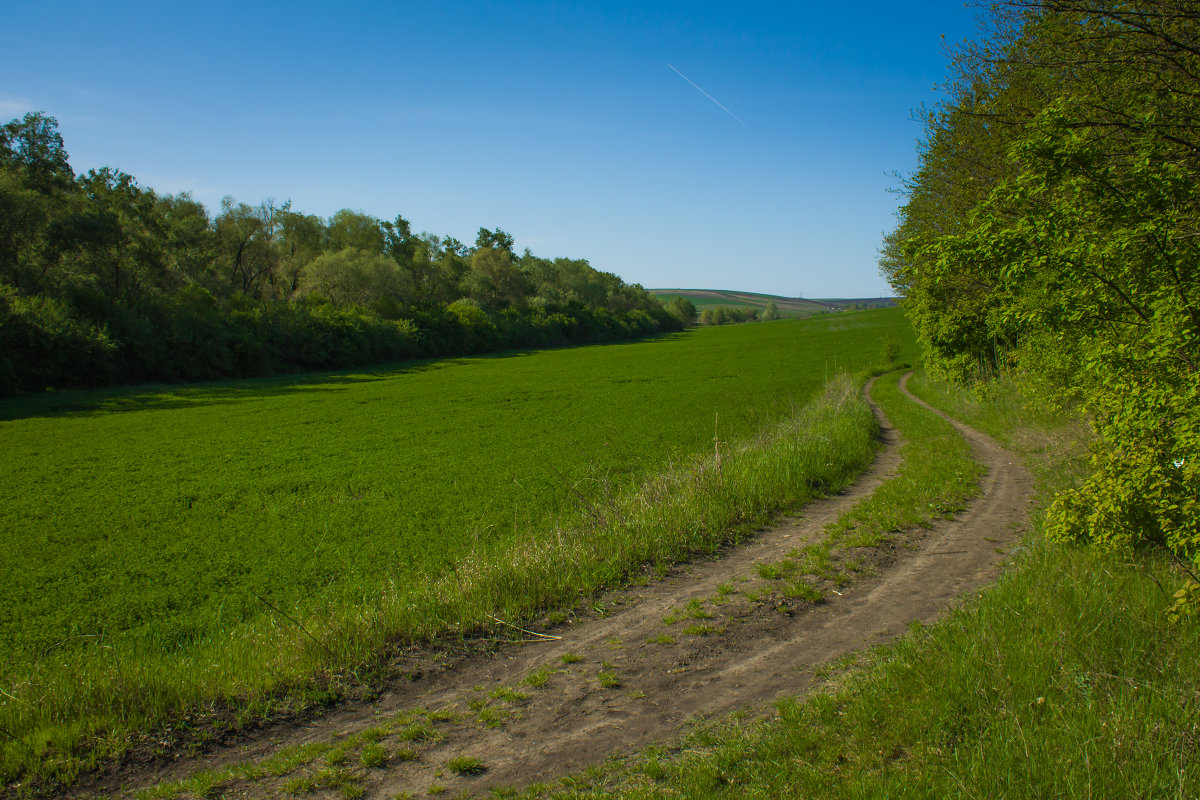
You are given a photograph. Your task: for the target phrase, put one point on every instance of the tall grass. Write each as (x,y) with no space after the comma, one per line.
(86,706)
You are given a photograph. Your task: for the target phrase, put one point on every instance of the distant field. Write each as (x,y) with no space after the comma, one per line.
(159,518)
(797,307)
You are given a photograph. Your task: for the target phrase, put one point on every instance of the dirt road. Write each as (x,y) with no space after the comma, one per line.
(709,639)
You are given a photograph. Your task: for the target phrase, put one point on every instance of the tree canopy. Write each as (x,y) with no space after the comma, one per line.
(104,280)
(1053,229)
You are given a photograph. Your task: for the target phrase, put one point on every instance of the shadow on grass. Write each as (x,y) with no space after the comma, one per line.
(160,396)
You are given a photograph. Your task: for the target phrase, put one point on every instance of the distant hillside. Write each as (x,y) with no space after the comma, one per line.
(788,306)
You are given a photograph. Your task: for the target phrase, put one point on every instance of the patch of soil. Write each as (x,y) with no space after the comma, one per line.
(712,637)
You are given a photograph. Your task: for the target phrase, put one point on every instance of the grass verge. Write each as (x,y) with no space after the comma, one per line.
(1064,679)
(935,479)
(87,711)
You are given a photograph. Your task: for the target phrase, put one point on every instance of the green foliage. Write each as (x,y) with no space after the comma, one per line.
(1051,229)
(1185,601)
(726,315)
(106,281)
(354,277)
(683,310)
(466,766)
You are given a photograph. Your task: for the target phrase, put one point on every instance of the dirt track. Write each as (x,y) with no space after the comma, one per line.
(754,651)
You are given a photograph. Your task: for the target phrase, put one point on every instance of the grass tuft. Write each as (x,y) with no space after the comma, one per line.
(466,766)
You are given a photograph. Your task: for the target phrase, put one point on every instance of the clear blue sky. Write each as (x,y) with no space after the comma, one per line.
(558,122)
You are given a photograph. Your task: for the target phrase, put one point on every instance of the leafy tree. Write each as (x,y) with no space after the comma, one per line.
(495,281)
(1068,162)
(497,239)
(103,280)
(355,277)
(34,148)
(683,310)
(357,230)
(771,312)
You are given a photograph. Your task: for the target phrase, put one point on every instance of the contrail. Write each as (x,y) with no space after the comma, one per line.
(706,94)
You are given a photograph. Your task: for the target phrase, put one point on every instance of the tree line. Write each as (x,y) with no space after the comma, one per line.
(103,280)
(1052,230)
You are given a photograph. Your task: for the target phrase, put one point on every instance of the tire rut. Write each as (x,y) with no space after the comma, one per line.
(745,653)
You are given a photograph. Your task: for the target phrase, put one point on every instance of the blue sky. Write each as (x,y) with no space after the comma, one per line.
(561,123)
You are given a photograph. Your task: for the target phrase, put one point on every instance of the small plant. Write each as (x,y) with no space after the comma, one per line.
(466,766)
(435,789)
(405,754)
(539,676)
(701,630)
(803,591)
(494,717)
(767,571)
(298,786)
(338,778)
(662,638)
(1186,601)
(373,755)
(508,695)
(890,351)
(417,732)
(570,658)
(608,679)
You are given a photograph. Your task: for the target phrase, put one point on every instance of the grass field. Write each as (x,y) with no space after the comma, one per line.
(162,529)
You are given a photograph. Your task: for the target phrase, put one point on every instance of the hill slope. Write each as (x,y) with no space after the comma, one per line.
(788,306)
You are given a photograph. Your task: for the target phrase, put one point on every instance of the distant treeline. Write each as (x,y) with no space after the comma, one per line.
(726,315)
(105,281)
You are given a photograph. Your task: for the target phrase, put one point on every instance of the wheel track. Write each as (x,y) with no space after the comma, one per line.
(760,654)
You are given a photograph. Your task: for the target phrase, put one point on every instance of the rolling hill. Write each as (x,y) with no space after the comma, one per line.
(788,306)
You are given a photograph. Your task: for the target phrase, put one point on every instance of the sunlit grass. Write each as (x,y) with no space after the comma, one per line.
(222,544)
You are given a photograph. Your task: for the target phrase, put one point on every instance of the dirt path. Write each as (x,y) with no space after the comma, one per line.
(705,641)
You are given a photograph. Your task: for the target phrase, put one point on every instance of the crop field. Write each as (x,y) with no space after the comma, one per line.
(155,522)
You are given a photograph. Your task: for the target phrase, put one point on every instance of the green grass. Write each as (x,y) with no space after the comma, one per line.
(608,679)
(1065,679)
(466,766)
(223,543)
(936,478)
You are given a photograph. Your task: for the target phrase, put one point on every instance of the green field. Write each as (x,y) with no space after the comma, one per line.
(155,525)
(161,515)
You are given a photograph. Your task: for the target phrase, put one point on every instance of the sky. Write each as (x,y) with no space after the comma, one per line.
(750,146)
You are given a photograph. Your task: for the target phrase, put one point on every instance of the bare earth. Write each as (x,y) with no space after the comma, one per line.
(746,652)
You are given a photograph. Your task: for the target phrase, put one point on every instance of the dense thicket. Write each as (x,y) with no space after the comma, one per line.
(103,280)
(1053,227)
